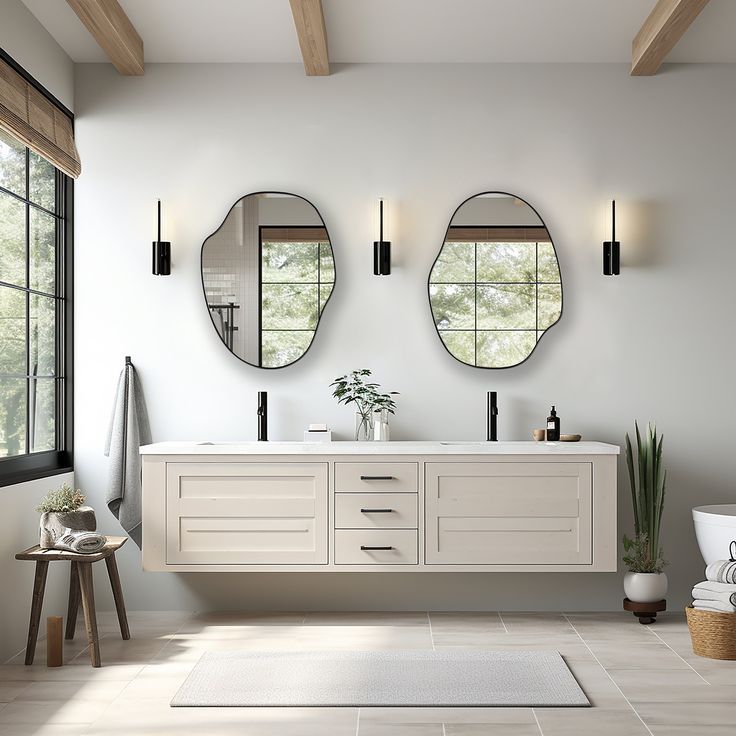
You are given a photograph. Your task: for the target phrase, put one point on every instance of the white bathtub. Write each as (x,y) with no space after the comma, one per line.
(715,529)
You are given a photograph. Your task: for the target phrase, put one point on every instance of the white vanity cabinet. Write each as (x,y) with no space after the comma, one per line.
(379,507)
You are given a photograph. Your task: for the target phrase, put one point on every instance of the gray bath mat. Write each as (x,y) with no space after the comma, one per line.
(457,677)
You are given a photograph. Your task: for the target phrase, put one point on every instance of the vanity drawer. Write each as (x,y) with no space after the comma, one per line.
(389,547)
(376,511)
(380,477)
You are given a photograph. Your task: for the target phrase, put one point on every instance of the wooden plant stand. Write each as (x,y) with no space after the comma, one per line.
(645,612)
(80,588)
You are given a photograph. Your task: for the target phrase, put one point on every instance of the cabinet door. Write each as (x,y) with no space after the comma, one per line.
(509,513)
(246,513)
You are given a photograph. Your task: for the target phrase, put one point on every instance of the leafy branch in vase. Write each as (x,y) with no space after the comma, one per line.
(353,388)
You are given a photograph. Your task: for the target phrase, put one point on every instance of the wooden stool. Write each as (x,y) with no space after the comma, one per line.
(80,587)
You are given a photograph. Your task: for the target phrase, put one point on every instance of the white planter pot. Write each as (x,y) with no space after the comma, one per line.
(645,587)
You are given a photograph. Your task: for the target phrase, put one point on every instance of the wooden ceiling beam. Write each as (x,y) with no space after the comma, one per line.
(661,31)
(310,28)
(113,31)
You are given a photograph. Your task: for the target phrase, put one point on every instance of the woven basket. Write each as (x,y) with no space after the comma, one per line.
(713,633)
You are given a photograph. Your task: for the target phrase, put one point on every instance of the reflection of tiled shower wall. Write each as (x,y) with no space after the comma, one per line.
(230,273)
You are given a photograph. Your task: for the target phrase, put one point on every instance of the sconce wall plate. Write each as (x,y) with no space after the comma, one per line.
(381,248)
(612,249)
(161,252)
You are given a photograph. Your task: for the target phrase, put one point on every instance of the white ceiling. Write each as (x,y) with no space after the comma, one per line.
(397,30)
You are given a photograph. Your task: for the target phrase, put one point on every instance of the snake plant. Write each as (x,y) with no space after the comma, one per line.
(648,479)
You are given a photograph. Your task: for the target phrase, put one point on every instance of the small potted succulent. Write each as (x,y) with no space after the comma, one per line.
(353,388)
(63,508)
(645,582)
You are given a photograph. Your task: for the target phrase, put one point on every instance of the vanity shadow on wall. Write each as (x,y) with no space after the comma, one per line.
(267,275)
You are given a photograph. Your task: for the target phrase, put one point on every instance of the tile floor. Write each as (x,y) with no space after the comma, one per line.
(640,679)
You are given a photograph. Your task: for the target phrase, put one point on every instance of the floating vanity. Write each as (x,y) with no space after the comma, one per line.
(388,507)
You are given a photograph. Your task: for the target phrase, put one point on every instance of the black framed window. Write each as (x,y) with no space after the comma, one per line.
(36,204)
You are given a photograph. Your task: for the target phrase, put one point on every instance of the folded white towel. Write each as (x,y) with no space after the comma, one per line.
(719,606)
(722,571)
(84,543)
(710,591)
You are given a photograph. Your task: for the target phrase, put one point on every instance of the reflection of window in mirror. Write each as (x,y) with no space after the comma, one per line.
(297,278)
(494,290)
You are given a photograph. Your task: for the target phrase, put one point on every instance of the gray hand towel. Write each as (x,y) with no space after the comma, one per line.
(129,429)
(83,543)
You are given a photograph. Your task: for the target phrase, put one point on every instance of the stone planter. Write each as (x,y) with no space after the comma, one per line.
(645,587)
(53,524)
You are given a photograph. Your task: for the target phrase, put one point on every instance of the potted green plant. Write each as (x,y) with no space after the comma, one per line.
(353,388)
(63,508)
(645,581)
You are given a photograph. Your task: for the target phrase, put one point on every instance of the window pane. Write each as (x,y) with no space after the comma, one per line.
(12,416)
(453,306)
(289,306)
(549,269)
(12,240)
(456,262)
(504,262)
(42,182)
(460,344)
(12,164)
(42,330)
(503,349)
(509,306)
(43,252)
(289,262)
(326,263)
(324,294)
(42,432)
(12,331)
(549,305)
(282,348)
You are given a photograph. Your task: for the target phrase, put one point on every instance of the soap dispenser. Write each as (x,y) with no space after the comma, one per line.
(553,426)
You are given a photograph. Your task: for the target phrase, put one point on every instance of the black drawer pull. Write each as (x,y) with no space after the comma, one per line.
(377,477)
(368,549)
(376,511)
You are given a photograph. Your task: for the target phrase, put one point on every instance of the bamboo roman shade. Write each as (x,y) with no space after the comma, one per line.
(35,121)
(474,234)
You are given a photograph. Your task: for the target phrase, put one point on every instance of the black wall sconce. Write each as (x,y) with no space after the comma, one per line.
(381,248)
(161,251)
(612,248)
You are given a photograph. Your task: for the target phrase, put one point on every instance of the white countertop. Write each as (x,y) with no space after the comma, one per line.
(380,448)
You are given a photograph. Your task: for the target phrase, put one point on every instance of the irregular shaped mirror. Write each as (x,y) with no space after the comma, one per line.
(267,274)
(495,286)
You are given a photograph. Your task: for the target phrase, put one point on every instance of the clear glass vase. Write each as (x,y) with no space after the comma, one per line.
(363,427)
(380,425)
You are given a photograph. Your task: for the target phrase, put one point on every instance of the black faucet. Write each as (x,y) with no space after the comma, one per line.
(262,416)
(492,423)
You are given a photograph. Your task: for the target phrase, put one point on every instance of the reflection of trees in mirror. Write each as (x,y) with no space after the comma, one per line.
(28,321)
(492,300)
(277,277)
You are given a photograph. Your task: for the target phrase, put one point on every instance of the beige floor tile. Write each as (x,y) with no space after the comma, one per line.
(367,618)
(11,690)
(662,686)
(640,655)
(55,711)
(492,729)
(687,730)
(399,729)
(326,638)
(589,722)
(50,729)
(539,623)
(598,687)
(99,690)
(518,716)
(683,713)
(472,622)
(197,622)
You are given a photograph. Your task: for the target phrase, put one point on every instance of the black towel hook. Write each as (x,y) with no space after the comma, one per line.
(127,360)
(731,548)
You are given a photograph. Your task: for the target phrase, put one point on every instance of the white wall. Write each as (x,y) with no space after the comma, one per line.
(28,42)
(656,342)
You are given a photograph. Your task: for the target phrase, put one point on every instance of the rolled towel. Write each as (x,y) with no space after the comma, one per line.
(719,606)
(722,571)
(83,543)
(710,591)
